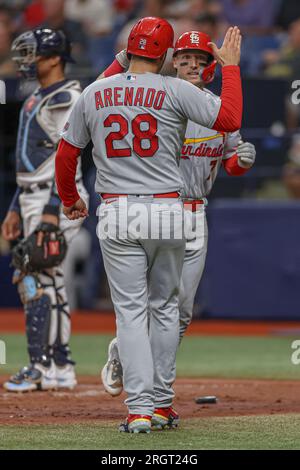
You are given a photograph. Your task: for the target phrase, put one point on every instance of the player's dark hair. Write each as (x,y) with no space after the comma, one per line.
(144,59)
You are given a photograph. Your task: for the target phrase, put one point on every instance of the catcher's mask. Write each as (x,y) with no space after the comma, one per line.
(42,42)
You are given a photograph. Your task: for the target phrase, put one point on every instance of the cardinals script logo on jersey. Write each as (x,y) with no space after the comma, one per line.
(201,148)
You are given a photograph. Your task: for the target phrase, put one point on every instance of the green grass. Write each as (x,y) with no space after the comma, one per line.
(201,356)
(255,432)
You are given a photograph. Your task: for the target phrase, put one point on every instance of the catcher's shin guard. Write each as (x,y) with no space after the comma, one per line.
(60,342)
(37,314)
(37,306)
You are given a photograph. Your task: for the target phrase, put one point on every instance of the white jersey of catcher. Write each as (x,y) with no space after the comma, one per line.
(201,157)
(137,123)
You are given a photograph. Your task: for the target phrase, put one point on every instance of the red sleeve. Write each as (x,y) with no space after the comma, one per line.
(232,166)
(113,69)
(65,171)
(230,115)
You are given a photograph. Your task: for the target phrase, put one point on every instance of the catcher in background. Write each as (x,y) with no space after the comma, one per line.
(42,54)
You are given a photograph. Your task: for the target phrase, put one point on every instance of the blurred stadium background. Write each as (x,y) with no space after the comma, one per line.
(253,264)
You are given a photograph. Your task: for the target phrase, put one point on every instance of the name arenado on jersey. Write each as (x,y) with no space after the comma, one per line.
(129,96)
(203,150)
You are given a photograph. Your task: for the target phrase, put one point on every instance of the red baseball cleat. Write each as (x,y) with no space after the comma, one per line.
(165,417)
(136,424)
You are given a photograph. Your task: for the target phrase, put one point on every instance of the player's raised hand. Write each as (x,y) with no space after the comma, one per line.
(230,51)
(11,227)
(76,211)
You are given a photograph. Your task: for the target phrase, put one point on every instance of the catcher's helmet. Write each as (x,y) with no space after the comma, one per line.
(44,42)
(150,37)
(196,40)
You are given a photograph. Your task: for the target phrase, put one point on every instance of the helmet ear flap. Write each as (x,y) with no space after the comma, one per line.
(207,74)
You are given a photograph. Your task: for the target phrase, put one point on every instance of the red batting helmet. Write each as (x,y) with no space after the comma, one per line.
(193,40)
(150,37)
(196,40)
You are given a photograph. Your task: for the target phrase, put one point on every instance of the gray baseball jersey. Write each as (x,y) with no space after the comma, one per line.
(137,124)
(201,157)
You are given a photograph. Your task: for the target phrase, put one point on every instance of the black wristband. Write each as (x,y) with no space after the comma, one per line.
(51,210)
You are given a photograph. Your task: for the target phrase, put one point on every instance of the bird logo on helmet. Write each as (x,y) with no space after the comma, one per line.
(44,42)
(196,40)
(150,37)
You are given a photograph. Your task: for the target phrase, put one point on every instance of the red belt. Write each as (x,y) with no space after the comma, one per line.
(163,195)
(192,204)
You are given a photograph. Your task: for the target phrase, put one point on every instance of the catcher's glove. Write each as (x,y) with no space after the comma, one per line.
(27,256)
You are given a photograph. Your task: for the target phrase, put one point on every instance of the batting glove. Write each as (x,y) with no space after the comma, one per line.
(122,58)
(246,154)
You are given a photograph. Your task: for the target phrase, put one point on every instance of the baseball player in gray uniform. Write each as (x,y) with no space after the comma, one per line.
(203,152)
(41,54)
(137,121)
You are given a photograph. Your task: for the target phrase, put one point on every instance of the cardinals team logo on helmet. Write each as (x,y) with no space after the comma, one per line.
(194,40)
(150,37)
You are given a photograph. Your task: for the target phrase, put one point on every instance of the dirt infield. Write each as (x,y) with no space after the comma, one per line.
(12,321)
(89,402)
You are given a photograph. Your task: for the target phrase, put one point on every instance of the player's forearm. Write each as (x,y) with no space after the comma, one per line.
(65,172)
(230,115)
(15,204)
(111,70)
(119,65)
(233,168)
